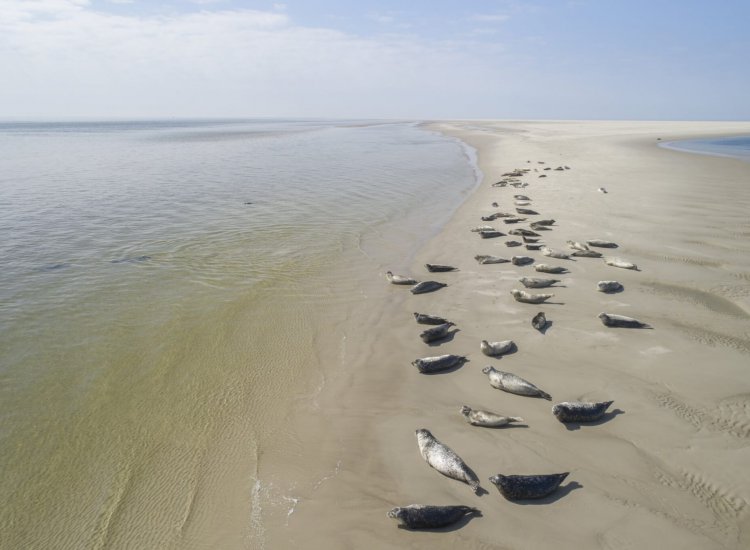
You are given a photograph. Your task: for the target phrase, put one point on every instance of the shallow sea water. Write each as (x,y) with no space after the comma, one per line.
(161,284)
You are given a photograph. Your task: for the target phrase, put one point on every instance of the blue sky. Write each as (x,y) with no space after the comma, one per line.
(545,59)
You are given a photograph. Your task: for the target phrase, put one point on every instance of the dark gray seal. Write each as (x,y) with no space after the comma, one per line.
(445,460)
(436,268)
(545,268)
(539,321)
(428,365)
(487,419)
(511,383)
(520,231)
(527,211)
(545,222)
(527,487)
(426,516)
(579,411)
(490,234)
(424,319)
(620,321)
(609,286)
(514,220)
(522,260)
(534,246)
(426,286)
(511,244)
(436,333)
(601,243)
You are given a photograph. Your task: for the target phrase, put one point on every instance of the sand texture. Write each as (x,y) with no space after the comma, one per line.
(668,466)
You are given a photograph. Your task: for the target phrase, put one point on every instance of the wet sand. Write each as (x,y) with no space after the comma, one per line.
(666,466)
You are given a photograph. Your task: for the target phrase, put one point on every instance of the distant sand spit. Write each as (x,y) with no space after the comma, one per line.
(666,467)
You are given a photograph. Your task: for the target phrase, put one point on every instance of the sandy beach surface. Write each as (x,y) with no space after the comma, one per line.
(667,467)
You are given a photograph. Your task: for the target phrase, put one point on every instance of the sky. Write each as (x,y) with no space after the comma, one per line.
(415,59)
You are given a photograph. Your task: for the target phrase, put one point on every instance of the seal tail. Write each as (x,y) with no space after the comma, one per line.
(545,395)
(515,419)
(474,484)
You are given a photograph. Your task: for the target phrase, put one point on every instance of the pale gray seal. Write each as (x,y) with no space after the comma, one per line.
(482,228)
(575,245)
(547,251)
(586,254)
(445,460)
(435,268)
(496,349)
(609,286)
(579,411)
(539,321)
(485,259)
(424,319)
(612,320)
(527,211)
(428,365)
(522,260)
(536,282)
(426,516)
(487,419)
(436,333)
(545,268)
(601,243)
(521,197)
(618,262)
(426,286)
(526,298)
(399,279)
(511,383)
(527,487)
(521,203)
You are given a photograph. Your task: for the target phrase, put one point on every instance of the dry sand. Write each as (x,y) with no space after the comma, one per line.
(670,466)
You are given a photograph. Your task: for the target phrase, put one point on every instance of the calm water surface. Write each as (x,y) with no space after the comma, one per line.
(160,284)
(737,146)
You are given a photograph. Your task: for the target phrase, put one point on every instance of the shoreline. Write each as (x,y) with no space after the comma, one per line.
(668,465)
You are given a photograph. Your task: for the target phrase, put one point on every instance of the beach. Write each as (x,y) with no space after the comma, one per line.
(666,467)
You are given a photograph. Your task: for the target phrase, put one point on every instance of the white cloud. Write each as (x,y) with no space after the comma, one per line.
(490,18)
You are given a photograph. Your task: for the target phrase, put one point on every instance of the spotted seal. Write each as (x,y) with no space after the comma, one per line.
(621,321)
(487,419)
(554,269)
(609,286)
(428,365)
(536,282)
(539,321)
(485,259)
(424,319)
(399,279)
(426,286)
(526,298)
(575,245)
(547,251)
(436,268)
(436,333)
(426,516)
(528,487)
(443,459)
(511,383)
(579,411)
(520,231)
(522,260)
(496,349)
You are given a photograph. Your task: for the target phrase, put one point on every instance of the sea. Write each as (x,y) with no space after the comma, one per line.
(161,290)
(735,147)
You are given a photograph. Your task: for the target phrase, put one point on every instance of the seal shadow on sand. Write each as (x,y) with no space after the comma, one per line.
(573,426)
(447,338)
(449,528)
(554,497)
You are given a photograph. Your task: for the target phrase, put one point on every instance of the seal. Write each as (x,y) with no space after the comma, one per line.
(428,365)
(579,411)
(445,460)
(609,286)
(487,419)
(436,333)
(539,321)
(496,349)
(424,319)
(526,298)
(547,251)
(536,282)
(612,320)
(545,268)
(426,286)
(490,234)
(484,259)
(602,190)
(587,254)
(521,198)
(545,222)
(528,487)
(618,262)
(426,516)
(536,226)
(520,231)
(527,211)
(521,203)
(511,383)
(530,240)
(575,245)
(435,268)
(534,246)
(522,260)
(482,228)
(514,220)
(399,279)
(511,244)
(601,243)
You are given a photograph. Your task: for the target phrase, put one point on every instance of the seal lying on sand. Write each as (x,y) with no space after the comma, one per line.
(527,212)
(399,279)
(436,333)
(609,286)
(425,516)
(539,321)
(547,251)
(523,232)
(546,268)
(575,245)
(428,365)
(522,260)
(612,320)
(579,411)
(587,254)
(601,243)
(481,228)
(511,383)
(526,298)
(618,262)
(426,286)
(435,268)
(445,460)
(496,349)
(484,259)
(424,319)
(490,234)
(545,222)
(487,419)
(536,282)
(527,487)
